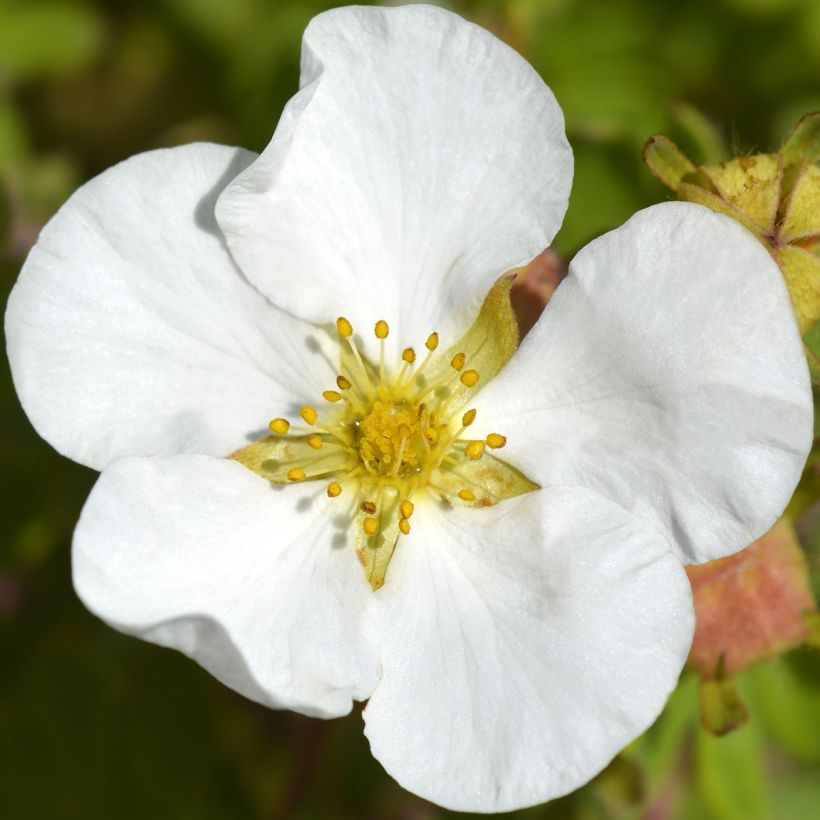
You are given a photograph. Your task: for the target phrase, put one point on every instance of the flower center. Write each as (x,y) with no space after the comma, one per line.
(387,438)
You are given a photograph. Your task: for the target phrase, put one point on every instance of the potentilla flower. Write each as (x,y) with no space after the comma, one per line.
(327,473)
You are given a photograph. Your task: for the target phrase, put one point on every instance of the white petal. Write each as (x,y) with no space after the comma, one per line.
(522,647)
(422,158)
(667,374)
(204,556)
(131,332)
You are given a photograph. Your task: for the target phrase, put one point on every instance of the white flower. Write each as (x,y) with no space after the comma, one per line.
(661,403)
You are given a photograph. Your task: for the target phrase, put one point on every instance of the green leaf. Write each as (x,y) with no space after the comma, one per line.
(788,706)
(803,144)
(730,777)
(666,161)
(44,38)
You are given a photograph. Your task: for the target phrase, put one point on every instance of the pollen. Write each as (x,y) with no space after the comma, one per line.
(390,437)
(279,426)
(344,328)
(474,450)
(469,378)
(309,414)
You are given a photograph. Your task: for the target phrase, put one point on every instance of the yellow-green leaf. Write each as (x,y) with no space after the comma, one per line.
(721,709)
(487,346)
(751,185)
(690,192)
(803,144)
(666,161)
(273,457)
(488,479)
(802,216)
(801,270)
(376,551)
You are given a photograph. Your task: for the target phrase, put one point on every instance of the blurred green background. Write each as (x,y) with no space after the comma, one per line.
(97,725)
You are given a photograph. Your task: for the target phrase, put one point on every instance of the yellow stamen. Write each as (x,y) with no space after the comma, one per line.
(474,450)
(496,440)
(370,526)
(469,378)
(457,361)
(279,426)
(334,489)
(296,474)
(404,526)
(344,328)
(331,395)
(382,329)
(466,495)
(432,342)
(315,441)
(309,414)
(468,418)
(342,383)
(408,355)
(406,508)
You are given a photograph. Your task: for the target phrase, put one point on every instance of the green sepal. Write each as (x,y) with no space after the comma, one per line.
(803,144)
(375,551)
(721,709)
(666,161)
(488,345)
(273,456)
(489,479)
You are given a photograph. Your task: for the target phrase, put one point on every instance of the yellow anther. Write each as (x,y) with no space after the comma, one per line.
(431,435)
(315,441)
(296,474)
(406,508)
(368,507)
(309,414)
(469,378)
(370,526)
(457,362)
(466,495)
(342,383)
(344,328)
(334,489)
(404,526)
(408,355)
(331,395)
(468,418)
(279,426)
(382,329)
(496,440)
(474,450)
(432,342)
